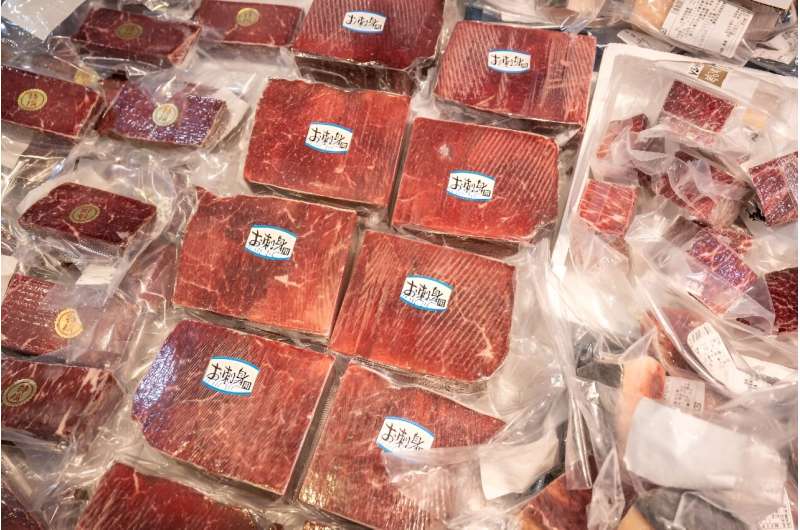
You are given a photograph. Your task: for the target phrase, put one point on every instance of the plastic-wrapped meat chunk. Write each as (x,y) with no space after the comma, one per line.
(477,181)
(659,508)
(126,499)
(278,263)
(249,23)
(47,104)
(126,35)
(614,131)
(608,208)
(56,402)
(314,139)
(782,286)
(557,508)
(426,309)
(776,185)
(515,71)
(378,44)
(611,159)
(15,516)
(210,391)
(693,114)
(369,415)
(736,237)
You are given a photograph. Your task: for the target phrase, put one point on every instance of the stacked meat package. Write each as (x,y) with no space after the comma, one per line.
(340,264)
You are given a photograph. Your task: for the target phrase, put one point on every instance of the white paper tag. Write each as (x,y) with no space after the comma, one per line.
(719,76)
(688,394)
(643,40)
(470,186)
(237,108)
(230,375)
(781,519)
(426,293)
(329,138)
(38,17)
(96,274)
(364,22)
(513,469)
(710,350)
(270,242)
(509,61)
(8,265)
(712,25)
(15,142)
(400,434)
(770,371)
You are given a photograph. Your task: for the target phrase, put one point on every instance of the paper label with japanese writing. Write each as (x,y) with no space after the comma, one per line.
(400,434)
(688,394)
(643,40)
(712,25)
(329,138)
(509,61)
(708,346)
(270,242)
(230,376)
(426,293)
(470,186)
(364,22)
(781,519)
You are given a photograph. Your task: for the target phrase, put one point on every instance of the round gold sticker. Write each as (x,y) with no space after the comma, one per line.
(128,31)
(165,114)
(85,213)
(32,99)
(247,16)
(86,77)
(19,392)
(68,324)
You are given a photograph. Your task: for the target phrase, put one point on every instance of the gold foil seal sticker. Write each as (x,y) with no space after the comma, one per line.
(247,16)
(68,324)
(19,392)
(32,99)
(165,114)
(128,31)
(85,213)
(86,77)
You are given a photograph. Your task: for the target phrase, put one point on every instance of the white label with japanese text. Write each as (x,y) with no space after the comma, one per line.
(781,519)
(400,434)
(270,242)
(329,138)
(364,22)
(470,186)
(688,394)
(712,25)
(723,77)
(708,346)
(230,376)
(426,293)
(509,61)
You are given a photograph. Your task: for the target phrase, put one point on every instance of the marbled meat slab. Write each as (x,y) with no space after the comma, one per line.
(347,476)
(782,286)
(557,508)
(248,23)
(426,309)
(476,181)
(608,208)
(776,185)
(693,114)
(47,104)
(318,140)
(278,263)
(126,499)
(516,71)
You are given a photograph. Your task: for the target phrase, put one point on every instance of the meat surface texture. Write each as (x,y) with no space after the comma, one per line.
(288,257)
(782,286)
(557,508)
(616,129)
(184,415)
(477,181)
(693,114)
(608,208)
(15,516)
(126,35)
(347,475)
(515,71)
(47,104)
(56,402)
(314,139)
(126,499)
(248,23)
(776,185)
(426,309)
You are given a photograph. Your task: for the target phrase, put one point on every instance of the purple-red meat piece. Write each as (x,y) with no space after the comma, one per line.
(252,24)
(553,88)
(477,181)
(776,185)
(694,114)
(614,131)
(15,516)
(290,112)
(782,286)
(557,508)
(347,475)
(608,208)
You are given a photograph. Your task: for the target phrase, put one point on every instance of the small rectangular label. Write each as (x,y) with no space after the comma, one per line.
(270,242)
(509,61)
(329,138)
(470,186)
(688,394)
(712,25)
(230,375)
(428,294)
(364,22)
(400,434)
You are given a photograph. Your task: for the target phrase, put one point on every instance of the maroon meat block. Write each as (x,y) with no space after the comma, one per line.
(616,129)
(288,257)
(126,499)
(426,309)
(776,185)
(207,382)
(126,35)
(379,44)
(557,508)
(247,23)
(516,71)
(96,219)
(782,286)
(476,181)
(318,140)
(47,104)
(693,114)
(611,160)
(56,402)
(370,415)
(15,516)
(608,208)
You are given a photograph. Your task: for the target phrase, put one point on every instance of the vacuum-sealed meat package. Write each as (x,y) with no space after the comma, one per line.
(248,23)
(782,286)
(775,182)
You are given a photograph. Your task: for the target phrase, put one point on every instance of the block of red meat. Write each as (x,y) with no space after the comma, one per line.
(611,161)
(380,44)
(370,415)
(47,104)
(208,382)
(776,185)
(782,286)
(318,140)
(471,180)
(98,220)
(517,71)
(126,499)
(57,402)
(288,257)
(126,35)
(616,129)
(693,114)
(15,516)
(608,208)
(557,508)
(426,309)
(248,23)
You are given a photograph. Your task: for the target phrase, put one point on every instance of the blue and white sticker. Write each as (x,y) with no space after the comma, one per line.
(400,434)
(509,61)
(329,138)
(470,186)
(270,242)
(230,375)
(426,293)
(364,22)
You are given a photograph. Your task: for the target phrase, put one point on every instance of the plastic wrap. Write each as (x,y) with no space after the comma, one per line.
(570,16)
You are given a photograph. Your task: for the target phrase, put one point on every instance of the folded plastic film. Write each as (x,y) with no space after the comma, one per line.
(572,16)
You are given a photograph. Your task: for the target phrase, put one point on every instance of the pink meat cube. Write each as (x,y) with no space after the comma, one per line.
(694,114)
(608,208)
(776,185)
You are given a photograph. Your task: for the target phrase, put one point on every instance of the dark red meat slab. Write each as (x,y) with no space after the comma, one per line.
(15,516)
(126,35)
(278,155)
(98,219)
(557,508)
(47,104)
(608,208)
(555,88)
(466,342)
(347,476)
(782,286)
(56,402)
(298,294)
(776,185)
(694,114)
(248,23)
(128,500)
(524,167)
(204,427)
